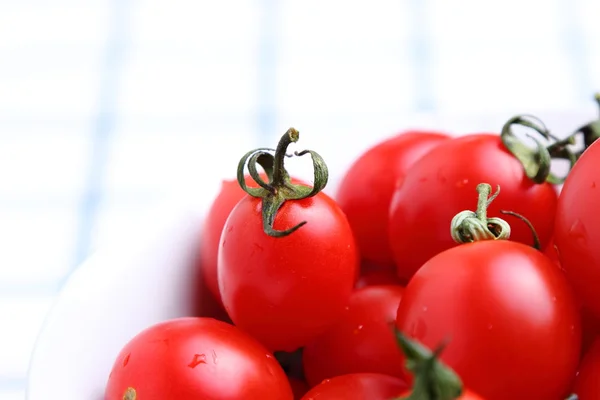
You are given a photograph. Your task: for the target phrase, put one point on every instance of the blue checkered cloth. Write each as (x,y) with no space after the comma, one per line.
(105,106)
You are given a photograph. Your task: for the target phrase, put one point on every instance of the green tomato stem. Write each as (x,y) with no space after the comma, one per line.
(468,226)
(433,380)
(130,394)
(279,189)
(537,162)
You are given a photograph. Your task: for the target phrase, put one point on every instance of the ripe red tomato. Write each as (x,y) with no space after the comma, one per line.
(366,190)
(229,195)
(577,229)
(441,184)
(288,259)
(361,386)
(200,358)
(361,341)
(513,324)
(285,291)
(587,382)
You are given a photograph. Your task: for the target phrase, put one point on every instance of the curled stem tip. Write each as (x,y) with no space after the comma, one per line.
(536,239)
(536,162)
(468,226)
(279,189)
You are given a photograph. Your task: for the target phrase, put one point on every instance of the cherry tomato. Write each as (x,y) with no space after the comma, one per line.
(577,229)
(512,321)
(366,190)
(288,259)
(360,386)
(229,195)
(587,382)
(441,184)
(362,341)
(285,291)
(190,358)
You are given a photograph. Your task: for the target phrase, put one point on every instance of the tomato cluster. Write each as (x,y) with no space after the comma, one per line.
(443,268)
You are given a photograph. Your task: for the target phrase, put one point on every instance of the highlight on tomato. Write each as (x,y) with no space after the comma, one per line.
(188,358)
(287,259)
(513,320)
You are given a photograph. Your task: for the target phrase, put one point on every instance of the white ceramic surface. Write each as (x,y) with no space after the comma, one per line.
(146,277)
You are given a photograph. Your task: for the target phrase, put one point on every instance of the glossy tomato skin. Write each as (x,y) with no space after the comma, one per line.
(577,228)
(286,291)
(587,383)
(202,358)
(362,386)
(361,341)
(366,190)
(443,183)
(512,320)
(229,195)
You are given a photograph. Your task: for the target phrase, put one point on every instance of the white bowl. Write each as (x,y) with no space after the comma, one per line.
(147,276)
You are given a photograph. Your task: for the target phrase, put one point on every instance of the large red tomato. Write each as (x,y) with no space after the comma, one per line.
(360,386)
(577,229)
(361,341)
(196,358)
(512,321)
(441,184)
(286,269)
(587,383)
(366,190)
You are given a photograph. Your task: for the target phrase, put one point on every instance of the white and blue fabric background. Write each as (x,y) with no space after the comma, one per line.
(105,105)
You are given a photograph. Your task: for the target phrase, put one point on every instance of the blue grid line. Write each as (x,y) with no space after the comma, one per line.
(103,129)
(574,39)
(421,48)
(267,72)
(8,383)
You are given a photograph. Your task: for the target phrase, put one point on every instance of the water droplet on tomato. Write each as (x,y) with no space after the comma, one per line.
(269,356)
(326,380)
(554,299)
(418,329)
(440,176)
(425,308)
(197,360)
(461,183)
(578,231)
(126,359)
